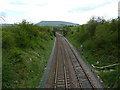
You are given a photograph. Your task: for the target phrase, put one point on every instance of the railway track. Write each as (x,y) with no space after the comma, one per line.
(67,70)
(61,72)
(83,80)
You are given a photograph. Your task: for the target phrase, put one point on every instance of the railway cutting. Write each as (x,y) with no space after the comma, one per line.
(68,69)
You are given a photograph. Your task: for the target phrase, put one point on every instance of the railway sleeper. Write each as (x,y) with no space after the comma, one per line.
(60,86)
(60,83)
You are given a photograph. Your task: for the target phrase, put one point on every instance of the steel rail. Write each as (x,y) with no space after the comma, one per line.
(68,68)
(55,84)
(80,84)
(67,55)
(93,86)
(60,82)
(65,68)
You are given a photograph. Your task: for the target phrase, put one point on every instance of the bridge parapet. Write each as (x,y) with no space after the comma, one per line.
(64,32)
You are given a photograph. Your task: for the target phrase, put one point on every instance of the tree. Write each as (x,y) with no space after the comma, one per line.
(91,26)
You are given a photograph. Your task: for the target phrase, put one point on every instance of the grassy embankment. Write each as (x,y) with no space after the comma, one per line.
(26,49)
(100,47)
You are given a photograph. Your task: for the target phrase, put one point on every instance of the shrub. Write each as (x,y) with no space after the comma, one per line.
(8,41)
(89,44)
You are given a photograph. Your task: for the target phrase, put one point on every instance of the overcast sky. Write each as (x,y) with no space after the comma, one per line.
(76,11)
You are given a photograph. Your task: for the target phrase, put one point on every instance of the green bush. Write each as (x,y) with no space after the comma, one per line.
(89,44)
(26,48)
(100,42)
(83,36)
(8,41)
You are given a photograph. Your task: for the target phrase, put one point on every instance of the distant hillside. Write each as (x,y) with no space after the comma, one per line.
(56,23)
(3,25)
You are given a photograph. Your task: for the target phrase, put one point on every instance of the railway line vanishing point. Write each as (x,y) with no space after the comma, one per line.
(68,70)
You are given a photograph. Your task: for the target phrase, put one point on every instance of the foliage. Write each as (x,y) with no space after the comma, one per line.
(100,42)
(110,79)
(26,48)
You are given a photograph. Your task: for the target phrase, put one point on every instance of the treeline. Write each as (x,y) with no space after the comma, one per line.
(100,45)
(25,51)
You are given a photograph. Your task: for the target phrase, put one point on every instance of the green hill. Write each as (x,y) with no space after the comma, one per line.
(4,25)
(56,23)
